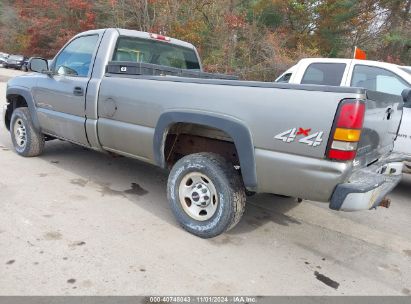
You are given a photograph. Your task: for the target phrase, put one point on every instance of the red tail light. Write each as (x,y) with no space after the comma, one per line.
(341,155)
(351,115)
(346,130)
(159,37)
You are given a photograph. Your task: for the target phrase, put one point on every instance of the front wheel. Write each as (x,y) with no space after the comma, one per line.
(26,139)
(206,194)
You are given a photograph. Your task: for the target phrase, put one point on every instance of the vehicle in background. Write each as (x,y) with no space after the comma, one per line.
(145,96)
(3,58)
(15,61)
(372,75)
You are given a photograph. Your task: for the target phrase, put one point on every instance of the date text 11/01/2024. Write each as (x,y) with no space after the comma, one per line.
(201,299)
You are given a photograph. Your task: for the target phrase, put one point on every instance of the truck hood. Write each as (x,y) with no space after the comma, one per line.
(25,81)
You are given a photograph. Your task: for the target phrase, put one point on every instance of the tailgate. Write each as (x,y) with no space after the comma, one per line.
(381,123)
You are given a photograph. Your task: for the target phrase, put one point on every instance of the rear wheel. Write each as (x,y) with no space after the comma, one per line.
(206,194)
(26,139)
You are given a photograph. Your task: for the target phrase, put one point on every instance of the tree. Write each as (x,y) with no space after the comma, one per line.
(255,39)
(49,24)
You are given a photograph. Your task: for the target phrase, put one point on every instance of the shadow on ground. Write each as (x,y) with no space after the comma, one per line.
(145,185)
(404,187)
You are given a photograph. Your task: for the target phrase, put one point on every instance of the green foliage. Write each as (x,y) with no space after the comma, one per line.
(266,13)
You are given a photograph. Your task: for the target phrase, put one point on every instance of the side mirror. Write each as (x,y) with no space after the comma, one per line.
(406,96)
(39,65)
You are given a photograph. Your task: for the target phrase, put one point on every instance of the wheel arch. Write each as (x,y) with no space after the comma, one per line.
(16,98)
(240,134)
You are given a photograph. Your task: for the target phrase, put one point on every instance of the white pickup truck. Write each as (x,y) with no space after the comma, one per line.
(372,75)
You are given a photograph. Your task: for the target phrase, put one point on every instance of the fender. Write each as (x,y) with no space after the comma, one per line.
(29,100)
(238,132)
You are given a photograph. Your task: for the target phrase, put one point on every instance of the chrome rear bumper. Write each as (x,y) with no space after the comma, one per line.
(367,187)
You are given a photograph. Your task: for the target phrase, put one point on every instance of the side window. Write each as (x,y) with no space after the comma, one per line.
(378,79)
(324,74)
(285,78)
(76,57)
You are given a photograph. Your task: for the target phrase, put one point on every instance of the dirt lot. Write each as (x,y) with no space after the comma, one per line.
(74,221)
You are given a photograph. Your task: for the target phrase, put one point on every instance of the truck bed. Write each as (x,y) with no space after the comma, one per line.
(145,70)
(378,134)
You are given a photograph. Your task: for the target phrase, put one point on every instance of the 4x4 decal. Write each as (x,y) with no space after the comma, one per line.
(291,135)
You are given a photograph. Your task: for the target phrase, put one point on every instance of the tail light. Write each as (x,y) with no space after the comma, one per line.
(159,37)
(346,132)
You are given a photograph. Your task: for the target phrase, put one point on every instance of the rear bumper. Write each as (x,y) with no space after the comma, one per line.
(367,187)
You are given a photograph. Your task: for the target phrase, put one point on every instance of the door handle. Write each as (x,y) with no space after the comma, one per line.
(78,91)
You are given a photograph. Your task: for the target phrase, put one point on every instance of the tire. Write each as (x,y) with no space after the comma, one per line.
(26,140)
(249,193)
(221,189)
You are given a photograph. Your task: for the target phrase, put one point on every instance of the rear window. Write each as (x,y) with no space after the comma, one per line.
(285,78)
(155,52)
(324,74)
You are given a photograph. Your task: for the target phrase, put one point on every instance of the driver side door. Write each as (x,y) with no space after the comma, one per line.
(60,98)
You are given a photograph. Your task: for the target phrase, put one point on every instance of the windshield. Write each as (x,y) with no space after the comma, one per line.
(407,69)
(155,52)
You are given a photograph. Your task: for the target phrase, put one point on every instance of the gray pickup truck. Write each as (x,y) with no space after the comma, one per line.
(145,96)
